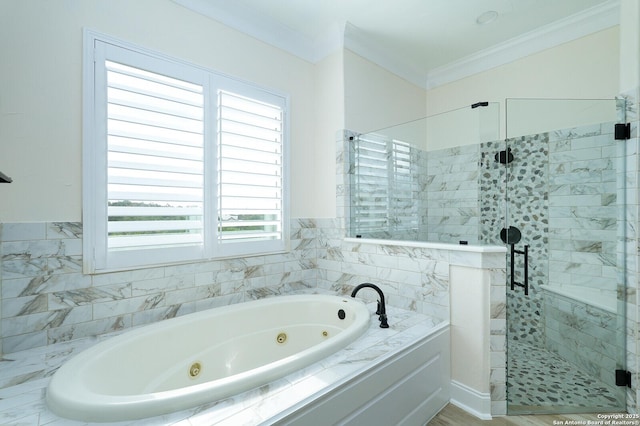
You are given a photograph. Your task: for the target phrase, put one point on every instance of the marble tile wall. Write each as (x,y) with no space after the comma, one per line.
(47,299)
(583,208)
(498,342)
(445,197)
(413,278)
(452,195)
(586,246)
(581,334)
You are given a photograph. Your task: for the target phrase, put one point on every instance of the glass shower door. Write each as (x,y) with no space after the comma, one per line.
(564,177)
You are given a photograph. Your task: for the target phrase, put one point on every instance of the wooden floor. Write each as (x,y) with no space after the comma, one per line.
(454,416)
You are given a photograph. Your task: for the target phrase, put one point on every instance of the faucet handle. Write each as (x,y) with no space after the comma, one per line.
(379,309)
(383,321)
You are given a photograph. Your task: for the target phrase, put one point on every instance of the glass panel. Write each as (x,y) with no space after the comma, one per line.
(534,116)
(564,176)
(420,180)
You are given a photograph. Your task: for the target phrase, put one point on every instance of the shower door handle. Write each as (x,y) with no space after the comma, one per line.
(514,283)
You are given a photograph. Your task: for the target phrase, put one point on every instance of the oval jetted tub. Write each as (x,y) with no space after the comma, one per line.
(202,357)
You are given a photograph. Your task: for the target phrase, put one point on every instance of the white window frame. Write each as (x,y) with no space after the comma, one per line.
(96,257)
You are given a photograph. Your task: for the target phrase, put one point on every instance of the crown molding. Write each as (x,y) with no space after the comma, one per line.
(346,35)
(331,41)
(356,41)
(579,25)
(247,21)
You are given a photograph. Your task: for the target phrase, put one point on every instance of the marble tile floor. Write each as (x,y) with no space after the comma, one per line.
(539,380)
(25,375)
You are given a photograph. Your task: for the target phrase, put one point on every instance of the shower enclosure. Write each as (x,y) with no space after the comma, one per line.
(552,191)
(564,190)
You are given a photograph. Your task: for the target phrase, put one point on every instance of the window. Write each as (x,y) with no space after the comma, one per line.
(180,163)
(384,187)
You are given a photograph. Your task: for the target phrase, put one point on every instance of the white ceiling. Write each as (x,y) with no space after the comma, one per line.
(428,42)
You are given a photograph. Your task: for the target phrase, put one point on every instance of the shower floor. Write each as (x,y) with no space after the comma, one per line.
(539,381)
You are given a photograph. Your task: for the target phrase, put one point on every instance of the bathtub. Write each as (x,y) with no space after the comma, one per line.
(198,358)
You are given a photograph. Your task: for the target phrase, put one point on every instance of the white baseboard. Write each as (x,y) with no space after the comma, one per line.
(470,400)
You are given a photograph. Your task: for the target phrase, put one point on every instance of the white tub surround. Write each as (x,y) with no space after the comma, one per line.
(203,357)
(406,390)
(470,340)
(28,374)
(475,278)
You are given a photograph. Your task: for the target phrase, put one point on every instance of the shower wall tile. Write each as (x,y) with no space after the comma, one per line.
(575,213)
(563,190)
(498,346)
(23,231)
(566,135)
(584,218)
(581,334)
(451,204)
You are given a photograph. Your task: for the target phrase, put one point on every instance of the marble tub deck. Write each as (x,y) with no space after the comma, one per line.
(25,375)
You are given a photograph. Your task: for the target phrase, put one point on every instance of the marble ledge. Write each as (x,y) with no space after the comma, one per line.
(473,256)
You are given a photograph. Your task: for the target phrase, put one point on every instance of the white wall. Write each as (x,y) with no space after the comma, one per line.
(470,319)
(376,98)
(586,68)
(329,101)
(40,92)
(629,45)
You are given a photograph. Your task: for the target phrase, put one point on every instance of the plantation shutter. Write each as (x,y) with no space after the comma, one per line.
(250,169)
(180,164)
(385,183)
(404,190)
(155,172)
(372,181)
